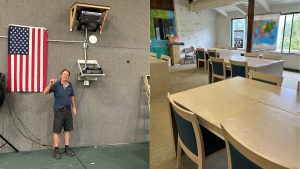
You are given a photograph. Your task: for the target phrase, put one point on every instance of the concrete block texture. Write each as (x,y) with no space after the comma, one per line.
(111,110)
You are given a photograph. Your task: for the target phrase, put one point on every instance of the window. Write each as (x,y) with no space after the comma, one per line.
(238,32)
(288,38)
(280,33)
(287,34)
(295,40)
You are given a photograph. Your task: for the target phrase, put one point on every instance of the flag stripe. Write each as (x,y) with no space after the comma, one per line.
(18,72)
(45,50)
(35,60)
(30,61)
(9,73)
(38,61)
(27,75)
(13,74)
(41,61)
(33,57)
(23,72)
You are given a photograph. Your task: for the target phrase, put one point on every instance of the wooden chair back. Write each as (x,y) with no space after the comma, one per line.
(218,68)
(189,135)
(212,53)
(240,156)
(238,68)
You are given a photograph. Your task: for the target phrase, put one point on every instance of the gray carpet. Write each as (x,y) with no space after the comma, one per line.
(162,153)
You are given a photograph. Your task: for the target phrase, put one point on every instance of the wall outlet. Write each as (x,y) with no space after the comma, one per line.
(86,83)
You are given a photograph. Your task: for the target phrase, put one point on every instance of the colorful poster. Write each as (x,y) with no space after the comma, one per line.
(265,31)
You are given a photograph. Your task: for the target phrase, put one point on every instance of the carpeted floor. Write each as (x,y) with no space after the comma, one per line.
(126,156)
(162,153)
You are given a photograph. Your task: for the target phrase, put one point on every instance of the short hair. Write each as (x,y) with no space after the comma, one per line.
(66,71)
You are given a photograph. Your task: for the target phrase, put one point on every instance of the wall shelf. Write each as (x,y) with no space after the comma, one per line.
(77,6)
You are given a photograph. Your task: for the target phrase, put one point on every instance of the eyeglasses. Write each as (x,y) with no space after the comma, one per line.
(65,74)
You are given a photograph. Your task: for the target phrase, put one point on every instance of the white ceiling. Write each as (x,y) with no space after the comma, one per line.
(259,5)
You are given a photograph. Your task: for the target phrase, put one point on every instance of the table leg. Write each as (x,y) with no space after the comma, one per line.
(209,73)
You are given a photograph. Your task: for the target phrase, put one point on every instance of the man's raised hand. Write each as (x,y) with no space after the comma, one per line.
(52,81)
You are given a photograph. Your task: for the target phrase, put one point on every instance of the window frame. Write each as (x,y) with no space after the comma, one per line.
(231,24)
(281,14)
(292,26)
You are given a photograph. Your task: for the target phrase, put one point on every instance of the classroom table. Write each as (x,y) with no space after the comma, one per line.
(274,67)
(231,98)
(269,132)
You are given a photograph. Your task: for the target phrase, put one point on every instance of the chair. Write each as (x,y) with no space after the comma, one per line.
(238,68)
(166,58)
(147,88)
(189,135)
(271,56)
(200,54)
(251,54)
(240,156)
(196,141)
(153,54)
(266,78)
(189,54)
(218,68)
(212,53)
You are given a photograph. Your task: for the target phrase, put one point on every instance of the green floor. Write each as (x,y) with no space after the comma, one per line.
(127,156)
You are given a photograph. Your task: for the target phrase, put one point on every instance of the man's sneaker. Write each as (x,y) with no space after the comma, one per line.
(68,152)
(56,154)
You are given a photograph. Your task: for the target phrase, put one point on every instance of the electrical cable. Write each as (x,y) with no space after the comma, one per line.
(27,131)
(80,161)
(80,98)
(82,93)
(25,128)
(27,137)
(3,145)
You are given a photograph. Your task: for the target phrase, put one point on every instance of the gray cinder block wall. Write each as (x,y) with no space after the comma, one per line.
(111,110)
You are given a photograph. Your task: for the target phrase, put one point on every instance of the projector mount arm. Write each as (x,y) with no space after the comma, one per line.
(84,49)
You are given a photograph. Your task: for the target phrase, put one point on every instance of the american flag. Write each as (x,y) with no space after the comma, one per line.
(27,59)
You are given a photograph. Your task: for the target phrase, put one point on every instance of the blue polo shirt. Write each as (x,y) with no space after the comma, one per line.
(62,96)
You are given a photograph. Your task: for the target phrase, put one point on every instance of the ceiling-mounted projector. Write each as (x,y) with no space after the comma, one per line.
(89,19)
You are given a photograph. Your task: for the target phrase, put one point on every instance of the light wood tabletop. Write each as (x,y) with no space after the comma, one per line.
(212,104)
(252,62)
(270,132)
(262,104)
(279,97)
(274,67)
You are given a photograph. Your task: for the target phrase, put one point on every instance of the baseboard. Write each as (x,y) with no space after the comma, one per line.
(292,70)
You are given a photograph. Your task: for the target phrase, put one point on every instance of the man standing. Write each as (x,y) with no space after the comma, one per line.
(64,98)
